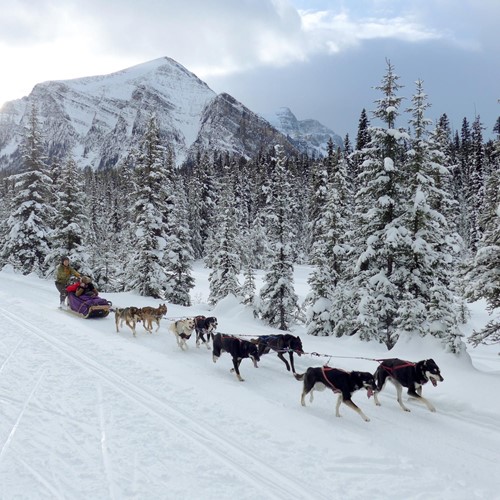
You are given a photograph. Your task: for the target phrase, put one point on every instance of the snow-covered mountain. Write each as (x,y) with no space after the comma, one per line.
(100,118)
(309,136)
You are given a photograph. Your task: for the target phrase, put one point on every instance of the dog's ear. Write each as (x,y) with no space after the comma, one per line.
(254,341)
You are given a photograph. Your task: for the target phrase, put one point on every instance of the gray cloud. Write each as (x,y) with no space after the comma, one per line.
(319,57)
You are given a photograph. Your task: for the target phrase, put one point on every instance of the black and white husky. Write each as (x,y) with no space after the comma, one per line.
(341,382)
(407,374)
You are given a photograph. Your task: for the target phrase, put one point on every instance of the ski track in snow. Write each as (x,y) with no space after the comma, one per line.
(273,482)
(86,413)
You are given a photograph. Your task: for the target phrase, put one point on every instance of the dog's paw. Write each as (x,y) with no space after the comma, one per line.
(366,419)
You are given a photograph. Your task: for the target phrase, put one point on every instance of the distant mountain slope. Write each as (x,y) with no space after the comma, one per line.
(309,136)
(99,119)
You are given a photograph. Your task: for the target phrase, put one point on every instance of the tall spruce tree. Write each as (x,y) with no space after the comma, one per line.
(278,303)
(6,193)
(318,302)
(326,315)
(476,184)
(426,302)
(483,277)
(226,262)
(146,271)
(205,206)
(71,222)
(179,253)
(28,226)
(377,240)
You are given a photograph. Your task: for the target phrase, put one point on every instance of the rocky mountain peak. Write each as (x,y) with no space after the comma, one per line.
(99,119)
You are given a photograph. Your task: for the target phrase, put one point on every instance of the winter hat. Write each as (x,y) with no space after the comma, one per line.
(86,280)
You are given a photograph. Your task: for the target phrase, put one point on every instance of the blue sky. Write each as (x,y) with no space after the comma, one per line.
(320,58)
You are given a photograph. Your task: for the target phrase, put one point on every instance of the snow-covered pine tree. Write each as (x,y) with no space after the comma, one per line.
(28,226)
(248,288)
(476,184)
(71,221)
(298,210)
(6,193)
(482,277)
(226,263)
(377,240)
(117,222)
(338,244)
(205,208)
(462,178)
(351,168)
(179,254)
(362,140)
(426,302)
(257,240)
(194,190)
(145,271)
(278,301)
(258,246)
(318,302)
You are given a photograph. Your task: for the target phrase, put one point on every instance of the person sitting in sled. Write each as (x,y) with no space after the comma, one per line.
(86,287)
(63,274)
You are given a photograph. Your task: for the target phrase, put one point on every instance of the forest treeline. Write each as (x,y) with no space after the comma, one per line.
(401,226)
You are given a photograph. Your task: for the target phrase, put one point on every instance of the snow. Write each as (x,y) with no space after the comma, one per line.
(88,413)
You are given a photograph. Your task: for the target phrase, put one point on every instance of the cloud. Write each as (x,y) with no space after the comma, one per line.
(334,32)
(208,37)
(225,41)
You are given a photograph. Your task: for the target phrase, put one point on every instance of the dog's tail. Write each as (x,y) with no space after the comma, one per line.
(172,327)
(299,376)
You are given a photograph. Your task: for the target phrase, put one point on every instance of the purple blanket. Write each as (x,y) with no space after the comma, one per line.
(88,307)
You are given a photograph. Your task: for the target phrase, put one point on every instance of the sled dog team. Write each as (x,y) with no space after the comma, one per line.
(403,374)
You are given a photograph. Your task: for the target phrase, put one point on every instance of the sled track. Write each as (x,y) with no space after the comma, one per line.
(272,482)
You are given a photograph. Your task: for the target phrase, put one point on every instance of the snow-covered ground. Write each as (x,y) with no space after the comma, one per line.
(88,413)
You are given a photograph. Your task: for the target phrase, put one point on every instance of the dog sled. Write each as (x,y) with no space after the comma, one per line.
(88,307)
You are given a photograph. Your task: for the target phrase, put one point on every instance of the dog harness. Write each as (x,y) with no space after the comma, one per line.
(323,371)
(390,370)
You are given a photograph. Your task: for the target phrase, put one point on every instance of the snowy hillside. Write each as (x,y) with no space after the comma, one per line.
(88,413)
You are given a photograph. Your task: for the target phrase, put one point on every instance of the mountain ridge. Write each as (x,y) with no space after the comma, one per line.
(98,119)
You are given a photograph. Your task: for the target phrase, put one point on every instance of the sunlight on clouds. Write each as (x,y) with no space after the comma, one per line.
(335,32)
(56,39)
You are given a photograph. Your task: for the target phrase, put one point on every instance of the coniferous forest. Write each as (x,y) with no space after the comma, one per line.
(401,226)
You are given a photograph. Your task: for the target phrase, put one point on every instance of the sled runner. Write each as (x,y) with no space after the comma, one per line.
(88,307)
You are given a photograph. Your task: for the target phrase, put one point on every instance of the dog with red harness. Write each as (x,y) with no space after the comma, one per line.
(341,382)
(407,374)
